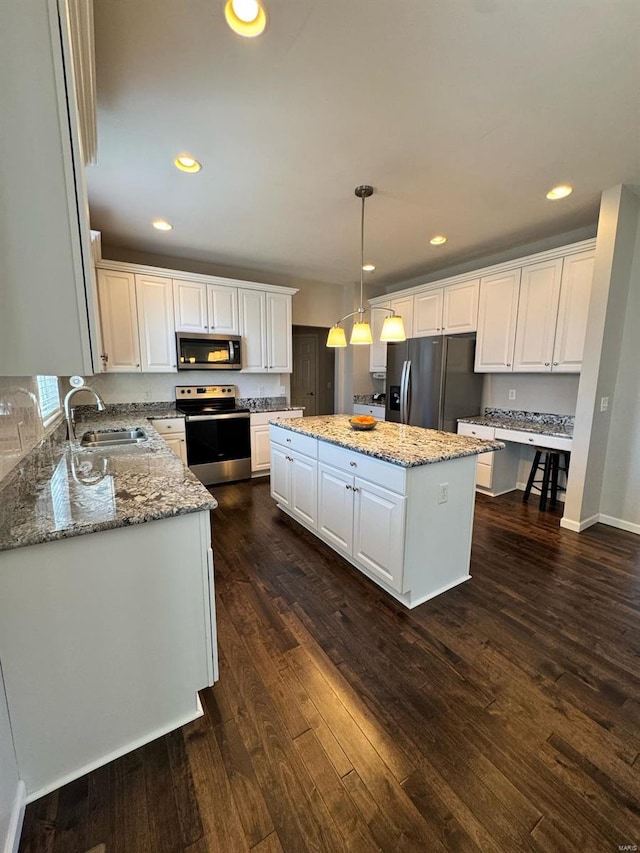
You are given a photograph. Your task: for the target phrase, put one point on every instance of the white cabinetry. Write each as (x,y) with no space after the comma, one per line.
(446,310)
(497,315)
(136,313)
(378,349)
(119,321)
(403,305)
(377,412)
(534,320)
(383,518)
(173,432)
(260,443)
(205,308)
(497,472)
(294,475)
(265,328)
(154,297)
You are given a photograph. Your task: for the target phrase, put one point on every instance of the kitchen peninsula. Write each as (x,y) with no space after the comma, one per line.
(397,501)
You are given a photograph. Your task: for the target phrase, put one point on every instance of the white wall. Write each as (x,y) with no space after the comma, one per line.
(615,247)
(9,778)
(554,394)
(620,501)
(161,387)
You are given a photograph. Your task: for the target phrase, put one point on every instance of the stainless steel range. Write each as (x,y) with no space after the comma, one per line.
(218,436)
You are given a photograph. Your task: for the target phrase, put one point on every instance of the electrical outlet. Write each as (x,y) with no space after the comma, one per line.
(604,404)
(283,390)
(443,493)
(512,393)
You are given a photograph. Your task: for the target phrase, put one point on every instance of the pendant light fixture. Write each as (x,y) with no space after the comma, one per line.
(392,328)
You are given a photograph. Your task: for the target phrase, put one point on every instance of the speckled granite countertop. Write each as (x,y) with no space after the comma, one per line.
(541,423)
(70,490)
(257,410)
(408,446)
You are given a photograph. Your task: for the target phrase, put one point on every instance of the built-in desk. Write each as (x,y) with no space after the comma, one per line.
(497,474)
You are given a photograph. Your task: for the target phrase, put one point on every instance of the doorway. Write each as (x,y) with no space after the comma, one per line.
(312,379)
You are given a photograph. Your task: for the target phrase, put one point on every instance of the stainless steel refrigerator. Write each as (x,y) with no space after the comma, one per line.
(431,383)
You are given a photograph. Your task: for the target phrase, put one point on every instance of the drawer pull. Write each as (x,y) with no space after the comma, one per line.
(473,432)
(532,439)
(355,489)
(353,464)
(289,440)
(348,487)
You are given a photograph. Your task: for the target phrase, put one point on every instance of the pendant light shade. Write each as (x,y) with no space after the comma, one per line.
(393,329)
(336,337)
(361,334)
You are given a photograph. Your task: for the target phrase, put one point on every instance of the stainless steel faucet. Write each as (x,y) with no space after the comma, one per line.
(69,412)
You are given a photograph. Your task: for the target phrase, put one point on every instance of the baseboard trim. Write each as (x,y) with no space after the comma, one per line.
(579,526)
(117,753)
(620,523)
(12,841)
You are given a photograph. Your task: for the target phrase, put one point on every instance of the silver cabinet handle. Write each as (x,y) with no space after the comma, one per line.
(348,487)
(546,364)
(508,364)
(353,464)
(473,432)
(137,365)
(356,489)
(532,439)
(555,363)
(288,440)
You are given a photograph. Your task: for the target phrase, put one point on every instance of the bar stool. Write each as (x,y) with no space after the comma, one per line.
(550,466)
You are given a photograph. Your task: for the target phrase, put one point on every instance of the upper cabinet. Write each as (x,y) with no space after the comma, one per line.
(47,317)
(446,310)
(136,313)
(205,308)
(403,306)
(534,319)
(265,328)
(378,349)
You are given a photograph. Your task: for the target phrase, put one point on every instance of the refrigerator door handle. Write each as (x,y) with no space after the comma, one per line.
(402,390)
(406,393)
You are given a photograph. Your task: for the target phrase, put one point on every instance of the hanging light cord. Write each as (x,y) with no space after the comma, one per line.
(361,308)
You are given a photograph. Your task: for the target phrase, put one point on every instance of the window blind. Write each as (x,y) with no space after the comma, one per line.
(49,394)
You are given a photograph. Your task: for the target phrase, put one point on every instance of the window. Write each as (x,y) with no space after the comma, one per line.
(49,394)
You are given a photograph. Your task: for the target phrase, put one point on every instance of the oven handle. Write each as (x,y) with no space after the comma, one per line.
(222,417)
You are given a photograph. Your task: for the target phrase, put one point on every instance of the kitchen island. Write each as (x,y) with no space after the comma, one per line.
(107,619)
(397,501)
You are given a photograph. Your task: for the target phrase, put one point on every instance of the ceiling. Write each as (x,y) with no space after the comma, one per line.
(461,114)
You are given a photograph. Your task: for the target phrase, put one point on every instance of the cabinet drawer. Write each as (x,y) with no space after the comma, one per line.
(294,441)
(392,477)
(476,431)
(376,412)
(260,418)
(534,438)
(168,425)
(484,474)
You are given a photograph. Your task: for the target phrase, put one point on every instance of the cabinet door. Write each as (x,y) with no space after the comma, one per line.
(190,302)
(252,323)
(497,312)
(537,312)
(427,315)
(260,454)
(154,297)
(304,488)
(280,475)
(119,322)
(378,531)
(279,340)
(378,349)
(335,507)
(460,308)
(179,446)
(575,293)
(403,306)
(223,309)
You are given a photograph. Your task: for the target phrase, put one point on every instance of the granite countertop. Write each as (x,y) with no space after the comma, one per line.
(541,423)
(258,409)
(68,490)
(407,446)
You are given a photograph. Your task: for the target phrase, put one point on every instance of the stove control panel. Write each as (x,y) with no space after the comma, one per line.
(205,392)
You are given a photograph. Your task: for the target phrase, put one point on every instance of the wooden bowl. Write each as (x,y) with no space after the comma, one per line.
(362,426)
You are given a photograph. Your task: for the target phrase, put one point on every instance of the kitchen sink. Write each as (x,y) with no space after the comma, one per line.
(113,437)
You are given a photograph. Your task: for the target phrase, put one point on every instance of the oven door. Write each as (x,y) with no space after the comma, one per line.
(219,447)
(208,352)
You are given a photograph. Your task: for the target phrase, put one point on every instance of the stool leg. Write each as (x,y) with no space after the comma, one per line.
(555,462)
(545,481)
(532,474)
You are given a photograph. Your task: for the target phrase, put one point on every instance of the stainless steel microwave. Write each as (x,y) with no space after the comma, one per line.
(208,352)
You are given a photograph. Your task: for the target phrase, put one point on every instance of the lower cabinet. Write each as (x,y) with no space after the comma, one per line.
(260,452)
(173,432)
(383,518)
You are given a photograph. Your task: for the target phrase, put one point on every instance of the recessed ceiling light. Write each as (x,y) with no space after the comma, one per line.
(368,267)
(245,17)
(559,192)
(438,240)
(162,225)
(187,164)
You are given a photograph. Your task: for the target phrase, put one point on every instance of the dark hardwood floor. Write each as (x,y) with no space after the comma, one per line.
(503,715)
